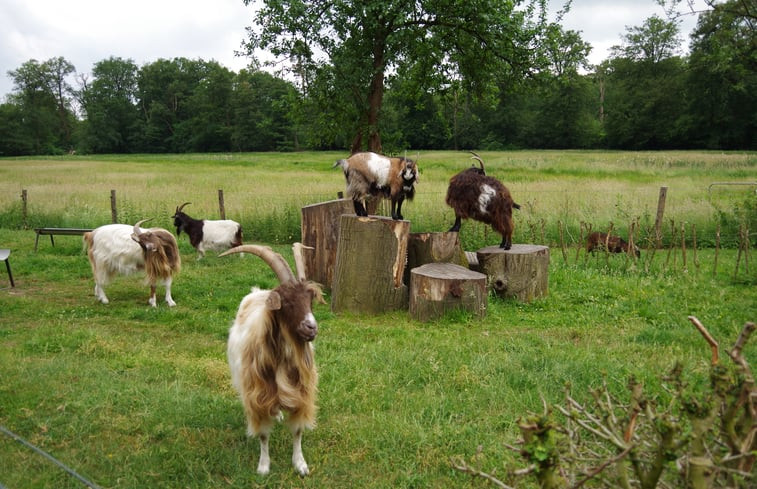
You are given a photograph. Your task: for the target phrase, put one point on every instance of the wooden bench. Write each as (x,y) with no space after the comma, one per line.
(57,231)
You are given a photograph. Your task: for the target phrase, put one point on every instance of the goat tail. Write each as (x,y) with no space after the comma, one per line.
(343,163)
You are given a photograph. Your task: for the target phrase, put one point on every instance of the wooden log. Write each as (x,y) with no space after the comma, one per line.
(423,248)
(320,231)
(436,288)
(370,265)
(521,272)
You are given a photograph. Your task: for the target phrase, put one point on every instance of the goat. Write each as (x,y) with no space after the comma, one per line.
(122,249)
(271,357)
(377,175)
(472,194)
(613,244)
(205,234)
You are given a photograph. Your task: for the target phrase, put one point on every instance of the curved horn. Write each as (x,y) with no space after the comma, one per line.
(480,161)
(136,231)
(274,260)
(178,209)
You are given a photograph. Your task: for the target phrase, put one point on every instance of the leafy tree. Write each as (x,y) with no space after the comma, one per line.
(43,98)
(263,109)
(109,103)
(645,89)
(431,43)
(209,114)
(723,78)
(657,39)
(14,140)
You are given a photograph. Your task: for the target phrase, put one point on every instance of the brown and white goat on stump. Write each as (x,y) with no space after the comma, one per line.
(120,249)
(371,174)
(271,356)
(472,194)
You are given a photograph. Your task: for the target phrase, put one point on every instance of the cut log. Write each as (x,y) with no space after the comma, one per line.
(370,264)
(521,272)
(423,248)
(436,288)
(320,231)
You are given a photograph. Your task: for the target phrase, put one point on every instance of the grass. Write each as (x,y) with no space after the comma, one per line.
(265,191)
(130,396)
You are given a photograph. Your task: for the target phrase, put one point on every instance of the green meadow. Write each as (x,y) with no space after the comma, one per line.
(130,396)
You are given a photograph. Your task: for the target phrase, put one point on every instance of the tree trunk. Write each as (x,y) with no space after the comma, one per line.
(320,230)
(436,288)
(521,272)
(423,248)
(370,264)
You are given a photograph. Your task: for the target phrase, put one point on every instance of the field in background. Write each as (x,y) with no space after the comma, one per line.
(265,191)
(132,397)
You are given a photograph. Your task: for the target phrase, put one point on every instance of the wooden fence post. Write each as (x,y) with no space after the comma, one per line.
(660,212)
(221,206)
(23,209)
(113,212)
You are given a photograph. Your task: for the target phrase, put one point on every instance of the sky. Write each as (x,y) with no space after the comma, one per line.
(87,31)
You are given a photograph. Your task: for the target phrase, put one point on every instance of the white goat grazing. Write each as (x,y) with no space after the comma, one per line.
(271,356)
(120,249)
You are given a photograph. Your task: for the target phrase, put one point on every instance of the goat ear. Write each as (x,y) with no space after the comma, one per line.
(273,302)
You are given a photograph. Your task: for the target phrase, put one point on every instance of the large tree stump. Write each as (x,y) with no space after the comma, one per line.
(521,272)
(370,264)
(320,231)
(436,288)
(423,248)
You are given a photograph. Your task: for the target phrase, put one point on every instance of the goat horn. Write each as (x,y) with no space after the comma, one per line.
(137,232)
(480,161)
(178,209)
(277,263)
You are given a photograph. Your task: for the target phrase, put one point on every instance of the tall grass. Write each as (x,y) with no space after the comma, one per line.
(265,191)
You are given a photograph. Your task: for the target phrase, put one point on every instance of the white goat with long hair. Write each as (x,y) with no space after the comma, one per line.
(271,356)
(120,249)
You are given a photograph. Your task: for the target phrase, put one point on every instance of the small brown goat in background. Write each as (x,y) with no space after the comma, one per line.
(613,244)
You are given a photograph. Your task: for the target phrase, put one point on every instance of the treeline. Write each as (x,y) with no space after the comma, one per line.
(644,97)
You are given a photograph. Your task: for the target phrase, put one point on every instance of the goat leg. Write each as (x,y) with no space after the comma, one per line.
(397,216)
(264,463)
(298,459)
(359,208)
(456,227)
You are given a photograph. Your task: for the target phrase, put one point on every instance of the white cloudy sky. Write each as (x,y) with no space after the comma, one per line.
(87,31)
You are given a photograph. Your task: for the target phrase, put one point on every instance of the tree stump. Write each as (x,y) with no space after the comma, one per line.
(320,231)
(521,272)
(423,248)
(370,264)
(436,288)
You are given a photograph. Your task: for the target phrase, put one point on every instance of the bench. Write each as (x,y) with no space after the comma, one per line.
(57,231)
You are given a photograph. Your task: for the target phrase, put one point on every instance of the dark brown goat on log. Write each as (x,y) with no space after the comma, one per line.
(613,244)
(474,195)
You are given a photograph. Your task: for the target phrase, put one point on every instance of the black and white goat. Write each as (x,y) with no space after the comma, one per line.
(371,174)
(205,234)
(116,249)
(472,194)
(271,356)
